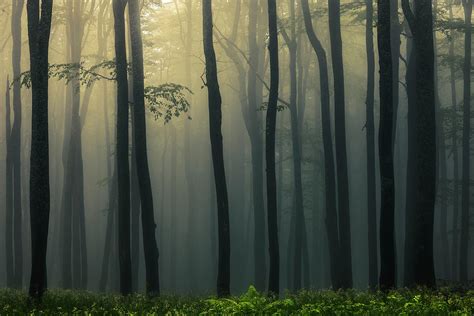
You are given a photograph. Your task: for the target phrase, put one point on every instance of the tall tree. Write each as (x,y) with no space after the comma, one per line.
(421,26)
(329,168)
(466,148)
(370,139)
(146,197)
(334,7)
(9,264)
(15,144)
(256,141)
(215,122)
(39,29)
(123,172)
(274,276)
(387,215)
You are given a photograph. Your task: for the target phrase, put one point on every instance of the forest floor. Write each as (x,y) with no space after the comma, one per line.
(400,302)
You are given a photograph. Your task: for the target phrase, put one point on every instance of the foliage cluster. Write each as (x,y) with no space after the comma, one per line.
(400,302)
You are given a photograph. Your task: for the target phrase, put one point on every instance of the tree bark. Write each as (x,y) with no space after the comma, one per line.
(387,215)
(215,121)
(272,210)
(39,27)
(122,149)
(341,147)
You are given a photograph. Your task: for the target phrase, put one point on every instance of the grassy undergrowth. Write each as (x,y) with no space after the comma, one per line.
(400,302)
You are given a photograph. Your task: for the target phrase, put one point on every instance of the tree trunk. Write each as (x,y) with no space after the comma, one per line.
(122,150)
(39,27)
(387,215)
(215,121)
(370,138)
(421,25)
(340,138)
(8,193)
(329,168)
(272,213)
(466,132)
(15,144)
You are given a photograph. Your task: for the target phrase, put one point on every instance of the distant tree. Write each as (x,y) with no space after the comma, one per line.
(143,172)
(329,168)
(215,121)
(370,139)
(466,148)
(122,149)
(341,146)
(421,25)
(39,28)
(387,183)
(274,276)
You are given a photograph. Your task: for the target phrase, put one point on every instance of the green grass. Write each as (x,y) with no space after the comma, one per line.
(400,302)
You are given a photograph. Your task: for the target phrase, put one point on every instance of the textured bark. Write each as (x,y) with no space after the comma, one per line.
(329,168)
(122,150)
(387,217)
(340,139)
(421,25)
(466,132)
(370,139)
(39,28)
(215,121)
(272,209)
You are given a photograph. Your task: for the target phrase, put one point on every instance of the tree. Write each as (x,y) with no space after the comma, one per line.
(274,276)
(329,168)
(15,144)
(123,172)
(370,138)
(215,121)
(466,132)
(340,139)
(421,25)
(387,215)
(143,173)
(39,28)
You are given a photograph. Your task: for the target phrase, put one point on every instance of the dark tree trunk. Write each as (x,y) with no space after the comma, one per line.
(466,132)
(421,25)
(9,264)
(122,150)
(39,27)
(387,216)
(340,139)
(15,144)
(254,124)
(455,194)
(370,138)
(411,167)
(215,121)
(329,168)
(274,276)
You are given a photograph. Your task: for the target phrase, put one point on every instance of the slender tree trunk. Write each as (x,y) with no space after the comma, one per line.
(274,250)
(329,168)
(260,271)
(340,139)
(421,25)
(39,27)
(215,121)
(15,144)
(370,138)
(387,216)
(8,193)
(466,148)
(123,173)
(455,142)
